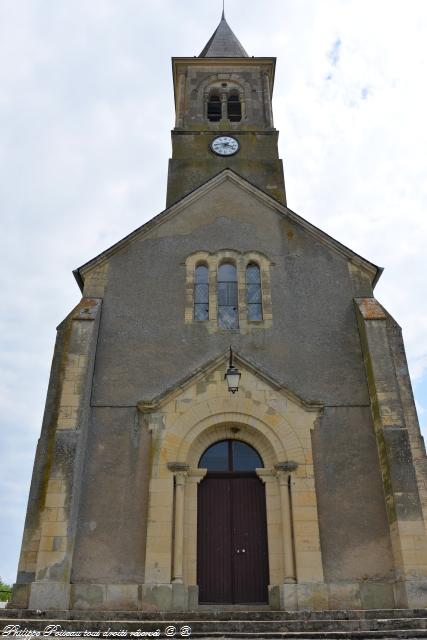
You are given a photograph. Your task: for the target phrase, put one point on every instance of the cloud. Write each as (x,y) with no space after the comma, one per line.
(334,53)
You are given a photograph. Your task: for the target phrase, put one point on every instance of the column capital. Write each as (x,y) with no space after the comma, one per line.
(284,469)
(286,466)
(178,467)
(196,475)
(180,470)
(266,475)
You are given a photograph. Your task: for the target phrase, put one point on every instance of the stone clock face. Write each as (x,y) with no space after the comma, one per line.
(225,146)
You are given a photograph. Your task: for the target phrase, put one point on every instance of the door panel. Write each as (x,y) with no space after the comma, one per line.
(232,556)
(214,541)
(249,540)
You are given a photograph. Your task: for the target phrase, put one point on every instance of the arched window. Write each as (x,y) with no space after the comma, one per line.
(214,107)
(228,313)
(201,293)
(234,107)
(253,292)
(231,455)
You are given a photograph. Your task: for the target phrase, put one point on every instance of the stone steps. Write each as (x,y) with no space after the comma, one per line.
(220,624)
(211,613)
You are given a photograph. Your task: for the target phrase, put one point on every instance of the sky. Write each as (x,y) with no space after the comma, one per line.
(86,109)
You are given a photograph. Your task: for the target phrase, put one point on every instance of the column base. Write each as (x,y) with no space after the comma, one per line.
(313,596)
(49,596)
(411,594)
(318,596)
(20,596)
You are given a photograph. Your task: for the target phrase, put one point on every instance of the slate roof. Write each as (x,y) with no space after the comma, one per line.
(223,43)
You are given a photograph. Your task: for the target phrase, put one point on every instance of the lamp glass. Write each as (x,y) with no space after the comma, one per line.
(233,378)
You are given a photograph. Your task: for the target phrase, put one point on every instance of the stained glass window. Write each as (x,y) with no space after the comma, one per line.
(228,313)
(253,292)
(201,293)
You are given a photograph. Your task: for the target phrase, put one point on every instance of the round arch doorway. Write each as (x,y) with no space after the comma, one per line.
(232,553)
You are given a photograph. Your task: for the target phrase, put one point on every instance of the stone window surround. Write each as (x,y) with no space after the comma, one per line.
(241,260)
(200,95)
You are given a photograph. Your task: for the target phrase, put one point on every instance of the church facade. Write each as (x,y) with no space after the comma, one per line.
(155,487)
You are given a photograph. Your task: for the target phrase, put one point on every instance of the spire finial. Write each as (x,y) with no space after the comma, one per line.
(223,10)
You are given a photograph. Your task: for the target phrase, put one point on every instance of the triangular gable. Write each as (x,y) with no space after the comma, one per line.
(227,174)
(153,404)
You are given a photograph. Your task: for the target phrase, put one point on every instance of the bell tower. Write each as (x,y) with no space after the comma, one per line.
(224,118)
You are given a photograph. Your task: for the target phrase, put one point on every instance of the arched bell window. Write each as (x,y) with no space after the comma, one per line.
(234,107)
(227,299)
(214,107)
(231,456)
(201,293)
(253,292)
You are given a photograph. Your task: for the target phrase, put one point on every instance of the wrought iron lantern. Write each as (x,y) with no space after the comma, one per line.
(232,375)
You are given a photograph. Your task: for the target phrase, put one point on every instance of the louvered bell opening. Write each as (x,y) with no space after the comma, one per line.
(214,108)
(234,108)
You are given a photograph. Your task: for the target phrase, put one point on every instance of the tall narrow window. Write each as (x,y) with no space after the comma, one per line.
(253,292)
(228,313)
(201,293)
(234,107)
(214,108)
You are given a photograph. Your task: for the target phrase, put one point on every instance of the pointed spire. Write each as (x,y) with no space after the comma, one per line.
(223,43)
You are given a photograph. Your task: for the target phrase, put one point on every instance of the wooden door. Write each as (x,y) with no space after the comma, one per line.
(232,556)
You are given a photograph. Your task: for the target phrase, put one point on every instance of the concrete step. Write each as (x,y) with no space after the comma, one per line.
(214,628)
(332,635)
(208,613)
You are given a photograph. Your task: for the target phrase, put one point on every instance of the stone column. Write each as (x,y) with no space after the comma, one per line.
(274,526)
(180,473)
(224,104)
(283,470)
(243,102)
(179,123)
(267,101)
(194,477)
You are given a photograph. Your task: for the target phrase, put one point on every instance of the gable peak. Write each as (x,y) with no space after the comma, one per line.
(223,43)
